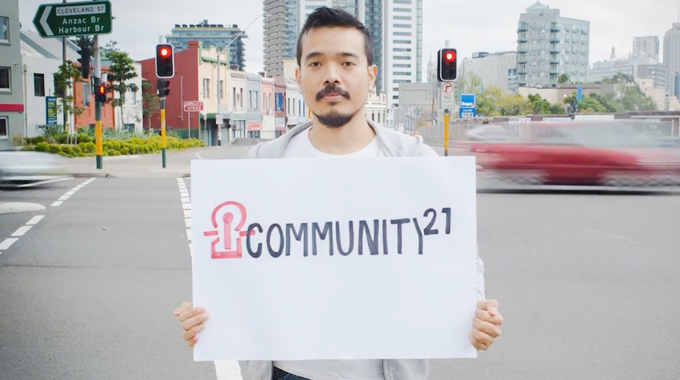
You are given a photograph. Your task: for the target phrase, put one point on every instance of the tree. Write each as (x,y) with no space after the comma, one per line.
(64,79)
(556,109)
(564,78)
(151,103)
(590,105)
(538,105)
(120,71)
(606,101)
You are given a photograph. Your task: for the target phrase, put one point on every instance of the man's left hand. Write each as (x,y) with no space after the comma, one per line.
(486,325)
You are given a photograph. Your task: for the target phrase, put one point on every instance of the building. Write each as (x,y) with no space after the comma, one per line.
(630,66)
(550,45)
(268,119)
(376,108)
(493,69)
(646,46)
(254,119)
(211,35)
(281,27)
(671,58)
(402,62)
(12,115)
(296,108)
(279,106)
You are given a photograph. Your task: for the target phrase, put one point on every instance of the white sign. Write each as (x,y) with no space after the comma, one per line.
(448,99)
(193,106)
(349,265)
(218,119)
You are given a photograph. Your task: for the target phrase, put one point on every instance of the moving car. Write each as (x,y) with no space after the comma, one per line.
(612,153)
(17,167)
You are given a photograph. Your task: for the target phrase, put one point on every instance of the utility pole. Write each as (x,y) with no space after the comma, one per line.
(99,144)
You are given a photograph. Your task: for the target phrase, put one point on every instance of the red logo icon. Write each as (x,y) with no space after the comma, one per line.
(227,249)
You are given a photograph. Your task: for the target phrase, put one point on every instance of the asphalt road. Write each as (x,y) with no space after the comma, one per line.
(588,285)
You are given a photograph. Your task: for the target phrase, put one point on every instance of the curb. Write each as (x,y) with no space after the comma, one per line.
(92,175)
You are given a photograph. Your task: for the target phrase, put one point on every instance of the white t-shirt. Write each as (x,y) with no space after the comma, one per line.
(301,147)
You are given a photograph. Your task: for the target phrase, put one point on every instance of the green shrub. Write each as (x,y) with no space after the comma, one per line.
(87,148)
(54,148)
(84,138)
(42,147)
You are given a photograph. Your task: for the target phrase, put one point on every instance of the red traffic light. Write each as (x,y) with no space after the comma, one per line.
(450,56)
(165,61)
(101,90)
(165,52)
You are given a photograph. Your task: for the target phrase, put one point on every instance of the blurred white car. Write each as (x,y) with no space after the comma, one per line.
(18,167)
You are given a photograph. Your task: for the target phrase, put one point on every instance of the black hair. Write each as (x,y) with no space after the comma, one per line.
(325,17)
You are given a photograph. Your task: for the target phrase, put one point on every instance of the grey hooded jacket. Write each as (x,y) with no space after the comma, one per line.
(392,144)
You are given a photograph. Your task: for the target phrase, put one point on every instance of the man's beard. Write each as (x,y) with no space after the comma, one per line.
(335,119)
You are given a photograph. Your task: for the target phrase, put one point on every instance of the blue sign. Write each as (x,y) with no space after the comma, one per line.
(50,110)
(279,102)
(579,93)
(468,106)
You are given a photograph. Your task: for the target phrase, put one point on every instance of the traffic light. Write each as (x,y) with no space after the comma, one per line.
(163,87)
(100,95)
(84,61)
(446,65)
(165,61)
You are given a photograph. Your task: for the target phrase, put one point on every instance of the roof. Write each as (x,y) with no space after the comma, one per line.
(50,47)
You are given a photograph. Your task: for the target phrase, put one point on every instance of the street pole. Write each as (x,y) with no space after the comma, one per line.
(63,62)
(446,132)
(99,144)
(164,140)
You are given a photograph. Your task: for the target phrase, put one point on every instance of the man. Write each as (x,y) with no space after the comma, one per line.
(335,72)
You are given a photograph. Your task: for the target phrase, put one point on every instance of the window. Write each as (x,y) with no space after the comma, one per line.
(402,73)
(4,127)
(5,78)
(250,100)
(402,1)
(404,65)
(4,29)
(39,84)
(402,34)
(257,100)
(206,88)
(402,18)
(402,25)
(401,49)
(402,9)
(220,90)
(233,96)
(241,97)
(408,42)
(86,94)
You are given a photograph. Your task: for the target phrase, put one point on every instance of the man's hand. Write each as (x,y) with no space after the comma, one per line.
(486,325)
(192,321)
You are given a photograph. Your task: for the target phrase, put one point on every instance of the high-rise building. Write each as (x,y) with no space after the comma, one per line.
(211,35)
(671,58)
(550,45)
(281,28)
(493,69)
(403,41)
(646,46)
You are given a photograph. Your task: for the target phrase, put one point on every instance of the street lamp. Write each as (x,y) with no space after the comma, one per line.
(220,90)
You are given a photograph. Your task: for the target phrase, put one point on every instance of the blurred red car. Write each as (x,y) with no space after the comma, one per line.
(612,153)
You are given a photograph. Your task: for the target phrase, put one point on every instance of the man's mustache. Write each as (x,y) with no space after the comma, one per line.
(332,89)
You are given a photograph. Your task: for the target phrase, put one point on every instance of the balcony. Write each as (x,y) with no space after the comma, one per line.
(555,49)
(554,39)
(555,27)
(522,59)
(522,49)
(554,69)
(521,71)
(554,59)
(523,27)
(522,39)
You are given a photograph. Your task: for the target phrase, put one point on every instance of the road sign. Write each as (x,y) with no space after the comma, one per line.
(448,99)
(468,106)
(193,106)
(218,119)
(51,110)
(83,18)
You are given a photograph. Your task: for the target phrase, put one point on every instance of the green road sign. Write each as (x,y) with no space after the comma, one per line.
(73,19)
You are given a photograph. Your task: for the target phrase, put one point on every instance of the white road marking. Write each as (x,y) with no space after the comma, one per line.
(7,243)
(198,154)
(66,196)
(45,182)
(186,206)
(607,234)
(187,213)
(189,234)
(187,222)
(21,231)
(34,220)
(186,200)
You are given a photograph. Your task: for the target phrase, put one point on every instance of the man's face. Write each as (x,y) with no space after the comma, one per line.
(334,74)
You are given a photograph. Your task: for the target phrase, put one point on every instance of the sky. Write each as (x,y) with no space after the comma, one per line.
(470,26)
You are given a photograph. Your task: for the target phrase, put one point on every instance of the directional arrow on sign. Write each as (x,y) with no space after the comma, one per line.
(83,18)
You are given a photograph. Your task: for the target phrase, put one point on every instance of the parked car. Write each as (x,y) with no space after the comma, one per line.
(18,167)
(582,154)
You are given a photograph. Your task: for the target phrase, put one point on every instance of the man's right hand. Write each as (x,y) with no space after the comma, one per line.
(192,321)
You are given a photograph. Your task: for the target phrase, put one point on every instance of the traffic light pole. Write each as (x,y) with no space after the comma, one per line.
(164,140)
(446,132)
(99,144)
